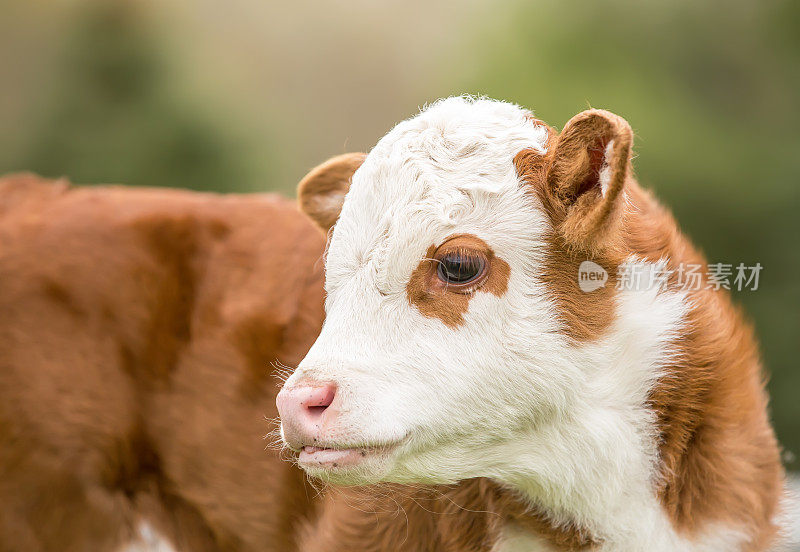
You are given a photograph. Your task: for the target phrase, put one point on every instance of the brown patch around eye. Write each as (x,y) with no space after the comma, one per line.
(447,302)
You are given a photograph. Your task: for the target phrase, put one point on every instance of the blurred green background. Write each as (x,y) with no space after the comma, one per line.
(247,95)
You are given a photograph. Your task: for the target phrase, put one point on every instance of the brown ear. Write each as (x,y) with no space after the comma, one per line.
(590,163)
(321,192)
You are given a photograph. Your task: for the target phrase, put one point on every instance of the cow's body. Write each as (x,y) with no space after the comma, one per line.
(137,332)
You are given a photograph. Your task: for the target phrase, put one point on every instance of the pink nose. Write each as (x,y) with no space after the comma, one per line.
(304,411)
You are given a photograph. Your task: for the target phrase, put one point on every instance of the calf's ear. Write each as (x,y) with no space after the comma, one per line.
(589,166)
(321,192)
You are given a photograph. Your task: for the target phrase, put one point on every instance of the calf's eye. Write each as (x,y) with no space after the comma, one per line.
(460,268)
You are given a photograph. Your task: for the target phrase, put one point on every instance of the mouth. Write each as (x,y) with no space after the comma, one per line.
(334,459)
(321,457)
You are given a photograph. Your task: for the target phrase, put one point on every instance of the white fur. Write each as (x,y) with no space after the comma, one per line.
(517,539)
(605,171)
(148,540)
(788,517)
(506,395)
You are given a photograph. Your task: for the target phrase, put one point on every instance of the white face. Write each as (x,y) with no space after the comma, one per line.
(421,398)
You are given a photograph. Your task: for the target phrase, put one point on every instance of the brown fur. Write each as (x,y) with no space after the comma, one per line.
(719,452)
(720,459)
(467,517)
(435,299)
(137,332)
(586,218)
(321,193)
(585,223)
(584,316)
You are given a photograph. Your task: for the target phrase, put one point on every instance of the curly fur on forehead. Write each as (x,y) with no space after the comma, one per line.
(431,172)
(473,138)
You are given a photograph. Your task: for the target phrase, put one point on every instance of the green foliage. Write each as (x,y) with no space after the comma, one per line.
(114,117)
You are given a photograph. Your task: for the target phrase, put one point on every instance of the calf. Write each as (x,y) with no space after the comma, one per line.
(137,329)
(502,405)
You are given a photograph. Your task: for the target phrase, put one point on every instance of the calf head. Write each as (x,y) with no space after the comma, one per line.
(455,325)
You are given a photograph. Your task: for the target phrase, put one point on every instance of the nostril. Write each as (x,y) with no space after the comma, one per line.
(319,399)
